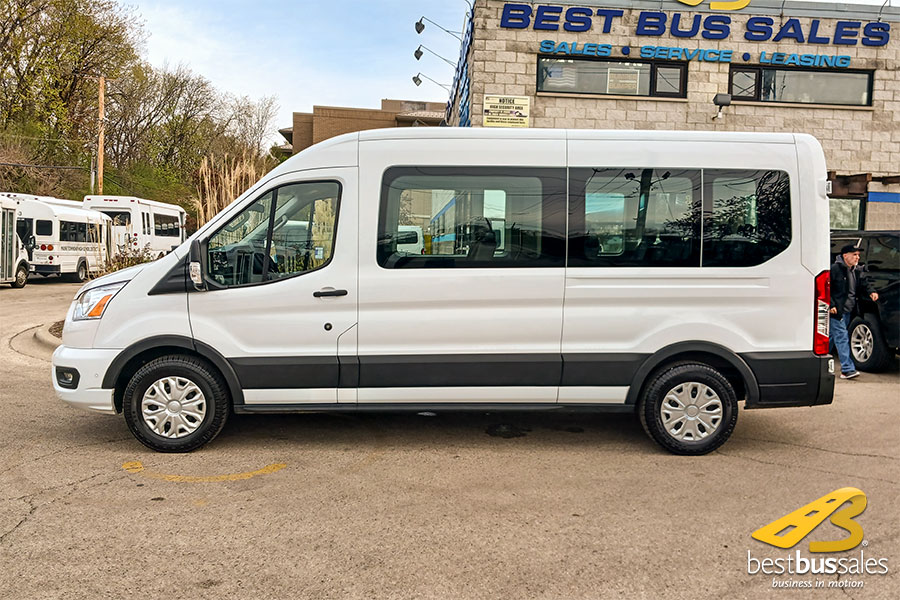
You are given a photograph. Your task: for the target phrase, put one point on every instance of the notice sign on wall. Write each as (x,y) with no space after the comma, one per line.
(506,111)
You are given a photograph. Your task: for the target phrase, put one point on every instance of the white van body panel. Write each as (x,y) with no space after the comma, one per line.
(453,311)
(230,321)
(148,219)
(134,315)
(813,180)
(12,251)
(648,308)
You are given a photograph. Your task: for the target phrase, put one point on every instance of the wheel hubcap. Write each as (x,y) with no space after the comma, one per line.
(21,277)
(862,343)
(691,412)
(173,407)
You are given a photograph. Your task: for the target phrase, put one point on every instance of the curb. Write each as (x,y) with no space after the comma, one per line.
(43,336)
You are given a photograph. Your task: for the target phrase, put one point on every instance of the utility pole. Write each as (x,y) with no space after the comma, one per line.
(102,131)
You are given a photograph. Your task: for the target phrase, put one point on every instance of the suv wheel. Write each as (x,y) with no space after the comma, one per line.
(867,344)
(689,408)
(176,403)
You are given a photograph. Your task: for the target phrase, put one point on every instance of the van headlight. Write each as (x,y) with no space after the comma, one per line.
(91,303)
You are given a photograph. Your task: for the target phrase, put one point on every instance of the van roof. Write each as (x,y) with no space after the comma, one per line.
(119,200)
(501,133)
(63,211)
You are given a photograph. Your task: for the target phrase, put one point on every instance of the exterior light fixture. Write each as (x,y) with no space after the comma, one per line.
(721,101)
(417,79)
(418,54)
(420,27)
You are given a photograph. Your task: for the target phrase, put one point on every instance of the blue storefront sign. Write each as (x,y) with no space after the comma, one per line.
(710,27)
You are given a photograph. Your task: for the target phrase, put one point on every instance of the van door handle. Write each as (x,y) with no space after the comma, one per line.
(322,293)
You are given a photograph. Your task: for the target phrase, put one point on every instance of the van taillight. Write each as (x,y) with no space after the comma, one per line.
(823,301)
(50,247)
(43,246)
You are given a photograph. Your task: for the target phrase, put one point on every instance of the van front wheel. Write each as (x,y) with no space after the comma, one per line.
(176,403)
(689,409)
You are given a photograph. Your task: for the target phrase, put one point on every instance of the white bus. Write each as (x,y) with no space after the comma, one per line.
(665,274)
(13,259)
(62,239)
(138,223)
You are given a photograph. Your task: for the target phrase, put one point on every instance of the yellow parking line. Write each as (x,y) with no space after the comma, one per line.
(137,468)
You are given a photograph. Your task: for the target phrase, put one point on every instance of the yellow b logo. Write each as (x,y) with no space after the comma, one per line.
(791,528)
(729,5)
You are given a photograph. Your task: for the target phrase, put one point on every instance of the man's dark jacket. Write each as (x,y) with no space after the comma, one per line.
(840,285)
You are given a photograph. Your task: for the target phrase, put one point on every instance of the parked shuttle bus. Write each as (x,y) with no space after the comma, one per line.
(139,223)
(62,239)
(13,259)
(667,274)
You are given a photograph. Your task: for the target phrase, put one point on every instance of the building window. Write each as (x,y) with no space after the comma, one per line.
(609,77)
(472,217)
(804,86)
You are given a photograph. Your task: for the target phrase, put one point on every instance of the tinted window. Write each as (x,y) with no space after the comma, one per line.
(119,217)
(72,232)
(286,232)
(806,86)
(747,216)
(621,78)
(43,227)
(166,226)
(634,217)
(883,253)
(471,217)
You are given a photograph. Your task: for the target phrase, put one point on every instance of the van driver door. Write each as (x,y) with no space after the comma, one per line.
(281,288)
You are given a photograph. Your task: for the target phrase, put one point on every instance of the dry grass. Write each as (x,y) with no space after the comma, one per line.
(224,179)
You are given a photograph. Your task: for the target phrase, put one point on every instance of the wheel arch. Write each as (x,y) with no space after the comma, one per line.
(732,367)
(140,353)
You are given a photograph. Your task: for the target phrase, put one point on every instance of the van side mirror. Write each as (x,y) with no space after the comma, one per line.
(31,243)
(195,266)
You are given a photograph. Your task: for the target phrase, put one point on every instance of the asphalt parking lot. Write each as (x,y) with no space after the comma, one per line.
(445,506)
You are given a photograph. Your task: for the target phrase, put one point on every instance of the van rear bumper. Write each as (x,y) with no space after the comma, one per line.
(46,269)
(791,378)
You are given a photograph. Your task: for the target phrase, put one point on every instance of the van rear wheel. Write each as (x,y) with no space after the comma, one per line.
(81,274)
(176,403)
(689,409)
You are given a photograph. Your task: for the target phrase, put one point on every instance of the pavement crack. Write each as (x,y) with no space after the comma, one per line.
(32,507)
(857,454)
(60,451)
(806,468)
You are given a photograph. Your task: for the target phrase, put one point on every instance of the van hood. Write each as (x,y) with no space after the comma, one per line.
(126,274)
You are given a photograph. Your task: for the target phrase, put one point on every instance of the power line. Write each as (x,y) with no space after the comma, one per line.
(5,164)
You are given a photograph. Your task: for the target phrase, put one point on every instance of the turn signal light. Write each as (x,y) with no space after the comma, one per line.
(50,247)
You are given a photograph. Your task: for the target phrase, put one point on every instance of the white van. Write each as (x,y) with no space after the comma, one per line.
(139,223)
(13,258)
(668,274)
(62,239)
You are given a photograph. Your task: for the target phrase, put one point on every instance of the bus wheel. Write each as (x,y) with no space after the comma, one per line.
(176,403)
(689,409)
(21,277)
(81,274)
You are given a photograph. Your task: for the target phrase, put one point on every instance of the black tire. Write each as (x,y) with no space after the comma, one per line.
(669,379)
(21,277)
(879,355)
(195,370)
(81,273)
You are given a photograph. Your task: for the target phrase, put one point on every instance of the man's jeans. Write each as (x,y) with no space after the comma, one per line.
(840,337)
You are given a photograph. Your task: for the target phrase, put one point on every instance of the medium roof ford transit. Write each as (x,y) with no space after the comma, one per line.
(672,274)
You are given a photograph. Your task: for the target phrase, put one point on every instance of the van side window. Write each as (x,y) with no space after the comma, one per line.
(287,231)
(166,226)
(747,216)
(465,217)
(72,232)
(634,217)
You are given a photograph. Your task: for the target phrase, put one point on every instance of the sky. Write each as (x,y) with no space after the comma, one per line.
(311,52)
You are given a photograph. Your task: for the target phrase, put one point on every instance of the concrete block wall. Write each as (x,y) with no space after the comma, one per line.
(856,140)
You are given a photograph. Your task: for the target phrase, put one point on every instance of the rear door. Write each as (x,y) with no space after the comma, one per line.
(474,315)
(278,302)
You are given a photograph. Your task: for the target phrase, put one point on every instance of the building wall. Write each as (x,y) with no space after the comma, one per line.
(855,139)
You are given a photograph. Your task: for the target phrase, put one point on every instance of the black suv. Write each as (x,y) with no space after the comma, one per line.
(875,328)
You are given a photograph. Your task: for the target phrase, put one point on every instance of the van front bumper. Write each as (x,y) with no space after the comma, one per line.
(791,378)
(77,375)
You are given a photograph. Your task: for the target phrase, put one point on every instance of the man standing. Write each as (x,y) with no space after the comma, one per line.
(846,280)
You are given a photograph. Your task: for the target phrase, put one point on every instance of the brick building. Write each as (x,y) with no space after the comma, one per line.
(832,70)
(325,122)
